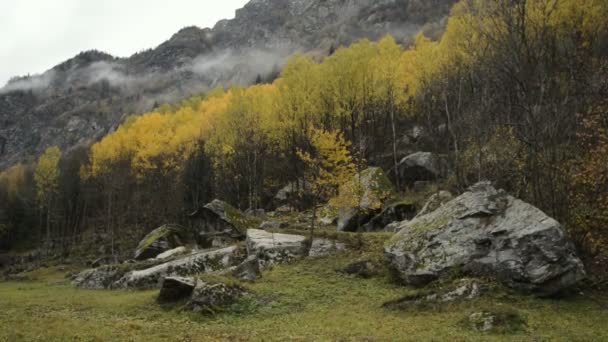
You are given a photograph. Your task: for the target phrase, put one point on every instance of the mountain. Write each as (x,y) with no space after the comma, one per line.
(86,97)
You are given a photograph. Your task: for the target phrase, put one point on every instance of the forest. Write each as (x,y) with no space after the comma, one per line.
(515,92)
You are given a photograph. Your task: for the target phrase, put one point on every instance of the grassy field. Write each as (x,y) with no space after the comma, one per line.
(304,301)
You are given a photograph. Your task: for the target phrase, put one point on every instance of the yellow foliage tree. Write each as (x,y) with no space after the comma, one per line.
(46,176)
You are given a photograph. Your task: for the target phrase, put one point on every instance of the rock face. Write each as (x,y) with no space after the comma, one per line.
(203,262)
(160,240)
(420,166)
(219,224)
(485,232)
(375,188)
(274,248)
(82,99)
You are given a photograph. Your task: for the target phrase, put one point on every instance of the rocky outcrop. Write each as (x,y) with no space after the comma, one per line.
(274,248)
(486,232)
(218,224)
(160,240)
(373,188)
(420,166)
(203,262)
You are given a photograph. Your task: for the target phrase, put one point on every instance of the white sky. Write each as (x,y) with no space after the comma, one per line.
(36,35)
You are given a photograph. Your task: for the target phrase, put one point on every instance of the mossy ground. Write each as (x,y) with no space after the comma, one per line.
(303,301)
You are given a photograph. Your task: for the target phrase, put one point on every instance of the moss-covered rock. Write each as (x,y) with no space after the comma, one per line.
(162,239)
(486,233)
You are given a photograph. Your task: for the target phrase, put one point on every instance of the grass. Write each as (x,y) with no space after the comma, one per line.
(304,301)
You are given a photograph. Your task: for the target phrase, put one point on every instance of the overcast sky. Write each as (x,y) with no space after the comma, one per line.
(35,35)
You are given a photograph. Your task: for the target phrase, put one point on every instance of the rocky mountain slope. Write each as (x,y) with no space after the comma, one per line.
(84,98)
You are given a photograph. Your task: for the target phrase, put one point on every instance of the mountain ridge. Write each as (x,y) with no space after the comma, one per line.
(82,99)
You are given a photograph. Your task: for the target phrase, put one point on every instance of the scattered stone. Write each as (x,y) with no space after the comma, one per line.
(486,233)
(482,321)
(274,248)
(465,289)
(161,240)
(499,320)
(376,189)
(435,201)
(210,298)
(98,262)
(218,224)
(248,270)
(364,269)
(174,289)
(172,253)
(325,247)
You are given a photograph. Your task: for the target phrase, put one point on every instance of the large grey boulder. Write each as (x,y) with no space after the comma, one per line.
(160,240)
(485,232)
(274,248)
(218,224)
(419,166)
(370,189)
(203,262)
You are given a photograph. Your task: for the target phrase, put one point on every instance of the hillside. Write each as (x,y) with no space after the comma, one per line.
(81,100)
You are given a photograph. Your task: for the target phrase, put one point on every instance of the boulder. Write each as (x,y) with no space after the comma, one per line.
(203,262)
(398,211)
(248,270)
(373,188)
(210,298)
(218,224)
(325,247)
(435,201)
(274,248)
(161,240)
(172,253)
(420,166)
(176,288)
(487,233)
